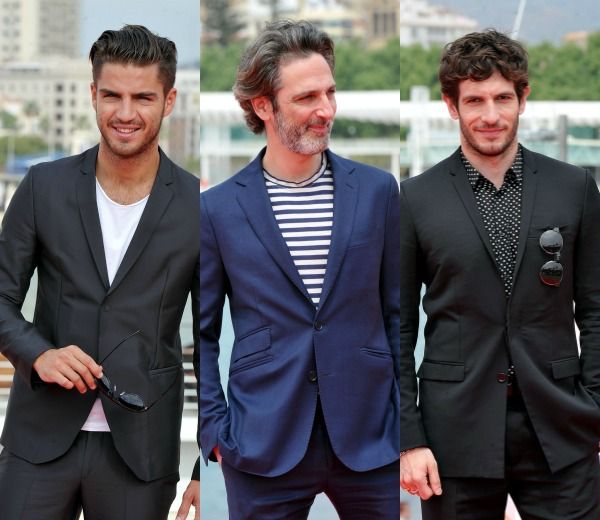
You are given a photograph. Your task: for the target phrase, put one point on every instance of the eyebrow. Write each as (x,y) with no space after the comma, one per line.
(137,95)
(313,91)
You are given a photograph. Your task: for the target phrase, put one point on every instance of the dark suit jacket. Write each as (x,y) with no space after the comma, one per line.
(351,341)
(52,224)
(471,325)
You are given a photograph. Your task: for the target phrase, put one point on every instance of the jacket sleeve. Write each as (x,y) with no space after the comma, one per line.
(587,288)
(20,341)
(390,279)
(412,433)
(213,283)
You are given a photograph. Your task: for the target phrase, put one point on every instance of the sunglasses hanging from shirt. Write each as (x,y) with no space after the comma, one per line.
(551,242)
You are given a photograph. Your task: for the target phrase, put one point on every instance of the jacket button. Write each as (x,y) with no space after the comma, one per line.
(502,377)
(312,376)
(318,325)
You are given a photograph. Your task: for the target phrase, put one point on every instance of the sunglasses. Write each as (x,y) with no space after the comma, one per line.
(551,242)
(127,400)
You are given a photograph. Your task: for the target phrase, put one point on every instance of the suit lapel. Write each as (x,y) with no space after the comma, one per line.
(530,180)
(345,196)
(465,192)
(88,210)
(159,199)
(254,201)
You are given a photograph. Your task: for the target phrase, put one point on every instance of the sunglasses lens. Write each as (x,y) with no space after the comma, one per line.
(132,402)
(551,273)
(551,241)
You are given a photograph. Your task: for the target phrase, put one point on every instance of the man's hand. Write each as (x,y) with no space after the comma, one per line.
(419,473)
(218,454)
(190,497)
(68,367)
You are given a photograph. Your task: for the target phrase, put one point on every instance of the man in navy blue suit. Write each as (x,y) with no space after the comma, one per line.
(304,244)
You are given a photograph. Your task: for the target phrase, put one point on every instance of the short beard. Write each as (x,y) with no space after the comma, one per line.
(295,137)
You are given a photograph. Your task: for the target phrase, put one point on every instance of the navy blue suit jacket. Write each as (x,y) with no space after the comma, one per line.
(351,340)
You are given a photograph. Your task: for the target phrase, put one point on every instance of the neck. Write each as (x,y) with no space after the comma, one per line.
(492,167)
(290,166)
(126,179)
(126,170)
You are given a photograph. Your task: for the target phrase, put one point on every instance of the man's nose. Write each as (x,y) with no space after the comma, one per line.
(490,114)
(327,107)
(126,110)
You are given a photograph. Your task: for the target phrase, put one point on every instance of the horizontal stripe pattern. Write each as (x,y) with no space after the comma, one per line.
(304,214)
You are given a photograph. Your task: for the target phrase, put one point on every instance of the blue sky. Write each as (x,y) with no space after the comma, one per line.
(178,20)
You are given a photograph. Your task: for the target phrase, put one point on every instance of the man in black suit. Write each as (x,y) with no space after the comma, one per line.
(507,244)
(93,420)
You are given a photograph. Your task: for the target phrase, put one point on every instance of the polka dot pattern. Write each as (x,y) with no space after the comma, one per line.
(500,210)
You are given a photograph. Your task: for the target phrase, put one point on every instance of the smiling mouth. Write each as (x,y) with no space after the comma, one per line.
(125,132)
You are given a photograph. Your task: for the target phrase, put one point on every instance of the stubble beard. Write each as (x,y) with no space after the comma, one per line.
(296,138)
(489,149)
(128,150)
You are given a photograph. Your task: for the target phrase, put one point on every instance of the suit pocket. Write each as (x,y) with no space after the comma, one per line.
(441,371)
(251,350)
(568,367)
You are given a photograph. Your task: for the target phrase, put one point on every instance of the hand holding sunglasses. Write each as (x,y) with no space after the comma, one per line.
(127,400)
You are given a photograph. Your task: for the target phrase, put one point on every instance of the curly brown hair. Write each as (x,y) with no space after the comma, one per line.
(477,56)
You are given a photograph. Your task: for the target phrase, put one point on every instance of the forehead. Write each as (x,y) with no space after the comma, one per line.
(492,86)
(127,76)
(305,74)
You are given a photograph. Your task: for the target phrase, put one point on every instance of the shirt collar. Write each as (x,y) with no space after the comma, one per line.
(474,176)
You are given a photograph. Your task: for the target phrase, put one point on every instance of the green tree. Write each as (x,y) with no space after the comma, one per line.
(221,21)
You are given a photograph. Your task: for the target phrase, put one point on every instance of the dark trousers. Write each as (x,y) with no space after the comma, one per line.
(570,494)
(355,495)
(91,477)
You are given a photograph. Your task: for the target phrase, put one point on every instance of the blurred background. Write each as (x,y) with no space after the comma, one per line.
(46,113)
(562,116)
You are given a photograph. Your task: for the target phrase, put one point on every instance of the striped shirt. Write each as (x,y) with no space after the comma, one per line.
(304,213)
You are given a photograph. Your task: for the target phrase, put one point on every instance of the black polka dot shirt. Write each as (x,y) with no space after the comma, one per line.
(500,210)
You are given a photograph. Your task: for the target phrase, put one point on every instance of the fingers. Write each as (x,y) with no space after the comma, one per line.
(191,496)
(69,367)
(419,473)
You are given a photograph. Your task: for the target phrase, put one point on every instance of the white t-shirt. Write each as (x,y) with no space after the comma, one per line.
(118,223)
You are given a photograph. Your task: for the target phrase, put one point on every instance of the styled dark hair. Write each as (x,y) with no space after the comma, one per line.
(278,44)
(477,56)
(134,44)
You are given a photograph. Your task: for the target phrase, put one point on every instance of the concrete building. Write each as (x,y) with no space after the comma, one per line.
(427,25)
(374,21)
(34,29)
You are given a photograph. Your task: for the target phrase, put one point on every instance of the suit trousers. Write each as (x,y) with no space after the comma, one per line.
(572,493)
(355,495)
(91,477)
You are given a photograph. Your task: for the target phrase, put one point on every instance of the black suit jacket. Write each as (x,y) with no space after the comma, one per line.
(52,224)
(471,325)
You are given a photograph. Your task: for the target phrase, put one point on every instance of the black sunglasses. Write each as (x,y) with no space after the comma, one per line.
(551,242)
(127,400)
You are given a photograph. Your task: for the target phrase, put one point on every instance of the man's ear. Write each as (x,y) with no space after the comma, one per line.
(263,107)
(94,92)
(452,108)
(170,101)
(523,100)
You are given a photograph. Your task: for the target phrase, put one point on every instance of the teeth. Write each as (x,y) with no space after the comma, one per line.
(125,130)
